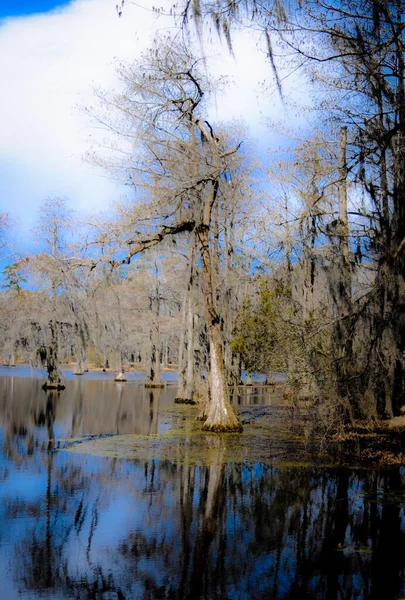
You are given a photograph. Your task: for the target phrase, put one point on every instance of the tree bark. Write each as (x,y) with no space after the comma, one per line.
(188,370)
(221,416)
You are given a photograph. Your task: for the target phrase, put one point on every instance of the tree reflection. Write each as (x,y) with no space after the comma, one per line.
(263,532)
(99,528)
(85,408)
(211,531)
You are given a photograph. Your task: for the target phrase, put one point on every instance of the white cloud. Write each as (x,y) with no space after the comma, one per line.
(53,62)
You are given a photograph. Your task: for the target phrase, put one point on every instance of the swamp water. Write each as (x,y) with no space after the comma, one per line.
(77,524)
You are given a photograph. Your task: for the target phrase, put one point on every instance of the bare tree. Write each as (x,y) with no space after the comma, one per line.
(178,163)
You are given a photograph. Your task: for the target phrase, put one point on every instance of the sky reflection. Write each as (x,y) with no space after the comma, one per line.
(79,526)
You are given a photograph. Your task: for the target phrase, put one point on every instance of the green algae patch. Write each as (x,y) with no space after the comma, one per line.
(271,435)
(264,439)
(200,448)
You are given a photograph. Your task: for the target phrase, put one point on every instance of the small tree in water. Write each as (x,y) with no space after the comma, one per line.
(52,232)
(49,357)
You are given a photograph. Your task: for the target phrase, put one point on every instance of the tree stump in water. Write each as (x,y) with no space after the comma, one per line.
(120,377)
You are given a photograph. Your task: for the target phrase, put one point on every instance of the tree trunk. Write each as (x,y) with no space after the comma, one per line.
(201,359)
(181,385)
(11,360)
(221,415)
(189,393)
(233,363)
(155,377)
(79,370)
(105,361)
(120,377)
(188,339)
(342,336)
(54,381)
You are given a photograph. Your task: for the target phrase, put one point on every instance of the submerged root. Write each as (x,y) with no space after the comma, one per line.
(154,385)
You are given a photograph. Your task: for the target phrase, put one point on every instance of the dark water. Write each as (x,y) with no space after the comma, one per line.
(75,526)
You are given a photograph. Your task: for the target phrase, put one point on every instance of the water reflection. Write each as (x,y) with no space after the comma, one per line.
(84,408)
(83,527)
(258,395)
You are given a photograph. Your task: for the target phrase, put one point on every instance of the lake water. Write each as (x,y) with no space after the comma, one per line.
(83,527)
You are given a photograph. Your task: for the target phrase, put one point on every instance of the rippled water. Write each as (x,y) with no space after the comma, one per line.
(75,526)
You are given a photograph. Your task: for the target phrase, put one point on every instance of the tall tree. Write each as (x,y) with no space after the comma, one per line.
(179,164)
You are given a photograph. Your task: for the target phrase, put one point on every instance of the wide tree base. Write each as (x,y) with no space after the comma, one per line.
(188,401)
(222,428)
(154,385)
(220,419)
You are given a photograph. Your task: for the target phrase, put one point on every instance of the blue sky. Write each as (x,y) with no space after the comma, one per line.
(53,60)
(27,7)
